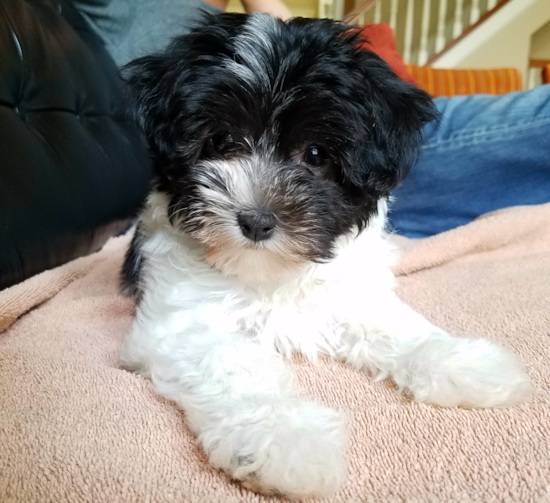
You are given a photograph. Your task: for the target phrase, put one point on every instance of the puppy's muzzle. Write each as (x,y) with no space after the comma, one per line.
(257,225)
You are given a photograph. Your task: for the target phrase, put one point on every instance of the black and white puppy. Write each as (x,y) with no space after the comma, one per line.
(275,147)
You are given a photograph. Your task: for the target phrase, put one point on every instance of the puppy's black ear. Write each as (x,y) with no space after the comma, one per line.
(394,113)
(160,88)
(150,86)
(402,113)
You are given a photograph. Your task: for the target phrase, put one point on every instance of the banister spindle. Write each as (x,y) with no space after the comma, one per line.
(393,14)
(425,34)
(457,24)
(378,12)
(475,13)
(409,27)
(440,40)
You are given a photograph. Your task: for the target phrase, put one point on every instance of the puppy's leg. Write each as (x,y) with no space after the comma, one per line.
(238,399)
(395,341)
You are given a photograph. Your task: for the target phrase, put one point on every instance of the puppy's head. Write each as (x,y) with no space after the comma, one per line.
(272,139)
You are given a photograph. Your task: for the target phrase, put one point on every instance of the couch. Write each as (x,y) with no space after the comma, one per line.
(73,169)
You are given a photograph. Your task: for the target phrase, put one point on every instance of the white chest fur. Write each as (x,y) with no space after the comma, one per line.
(302,309)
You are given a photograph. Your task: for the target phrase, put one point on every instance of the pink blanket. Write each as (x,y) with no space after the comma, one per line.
(75,427)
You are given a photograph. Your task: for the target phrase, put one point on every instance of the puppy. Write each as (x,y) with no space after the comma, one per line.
(275,146)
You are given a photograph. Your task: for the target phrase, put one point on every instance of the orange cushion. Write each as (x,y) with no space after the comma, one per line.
(439,82)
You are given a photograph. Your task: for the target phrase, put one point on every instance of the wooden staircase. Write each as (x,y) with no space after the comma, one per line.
(424,29)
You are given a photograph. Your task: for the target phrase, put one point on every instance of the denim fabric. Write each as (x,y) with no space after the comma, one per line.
(489,152)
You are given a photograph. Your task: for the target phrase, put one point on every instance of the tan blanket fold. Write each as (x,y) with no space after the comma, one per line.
(74,427)
(21,298)
(517,230)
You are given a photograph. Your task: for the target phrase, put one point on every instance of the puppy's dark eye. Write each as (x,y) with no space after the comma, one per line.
(222,143)
(314,156)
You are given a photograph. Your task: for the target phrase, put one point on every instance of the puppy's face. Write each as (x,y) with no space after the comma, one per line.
(273,139)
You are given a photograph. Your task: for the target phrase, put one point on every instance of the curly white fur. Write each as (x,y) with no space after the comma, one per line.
(214,343)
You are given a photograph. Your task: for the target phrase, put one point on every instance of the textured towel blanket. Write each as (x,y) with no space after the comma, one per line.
(74,427)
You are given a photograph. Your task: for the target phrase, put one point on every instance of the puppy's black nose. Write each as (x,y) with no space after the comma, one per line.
(257,225)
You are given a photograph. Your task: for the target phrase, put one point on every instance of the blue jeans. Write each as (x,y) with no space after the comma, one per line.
(489,152)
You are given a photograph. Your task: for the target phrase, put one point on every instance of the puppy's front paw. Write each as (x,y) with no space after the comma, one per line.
(473,373)
(293,448)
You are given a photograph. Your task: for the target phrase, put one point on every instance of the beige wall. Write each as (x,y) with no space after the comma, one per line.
(504,40)
(302,8)
(540,43)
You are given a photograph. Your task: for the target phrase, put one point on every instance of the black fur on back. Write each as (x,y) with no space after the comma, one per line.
(132,267)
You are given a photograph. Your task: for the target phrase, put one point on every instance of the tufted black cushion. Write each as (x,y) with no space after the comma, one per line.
(73,169)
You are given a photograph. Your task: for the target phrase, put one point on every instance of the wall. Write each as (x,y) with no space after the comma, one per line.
(540,43)
(504,40)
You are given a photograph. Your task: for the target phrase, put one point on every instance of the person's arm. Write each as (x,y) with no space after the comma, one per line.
(276,8)
(220,4)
